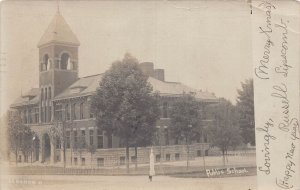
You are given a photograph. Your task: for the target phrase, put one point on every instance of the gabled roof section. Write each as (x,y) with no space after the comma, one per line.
(32,97)
(59,31)
(88,85)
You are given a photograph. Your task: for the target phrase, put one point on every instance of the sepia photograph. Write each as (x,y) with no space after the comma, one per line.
(114,95)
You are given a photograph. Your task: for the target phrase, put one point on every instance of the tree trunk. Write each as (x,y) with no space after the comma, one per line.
(135,151)
(187,156)
(91,160)
(16,156)
(64,152)
(127,157)
(71,156)
(223,153)
(64,145)
(204,164)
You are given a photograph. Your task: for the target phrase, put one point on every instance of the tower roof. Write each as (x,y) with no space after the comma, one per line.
(59,31)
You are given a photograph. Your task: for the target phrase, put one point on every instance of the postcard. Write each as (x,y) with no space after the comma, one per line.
(149,95)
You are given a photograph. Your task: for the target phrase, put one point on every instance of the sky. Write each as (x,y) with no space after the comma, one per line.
(203,44)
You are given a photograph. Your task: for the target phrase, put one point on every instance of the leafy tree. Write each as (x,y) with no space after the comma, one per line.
(185,120)
(57,131)
(19,135)
(80,144)
(124,103)
(245,105)
(224,131)
(27,141)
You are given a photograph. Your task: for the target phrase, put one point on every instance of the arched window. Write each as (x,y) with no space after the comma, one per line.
(46,94)
(45,62)
(65,61)
(42,94)
(49,91)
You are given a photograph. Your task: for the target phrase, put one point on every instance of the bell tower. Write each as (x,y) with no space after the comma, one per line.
(58,63)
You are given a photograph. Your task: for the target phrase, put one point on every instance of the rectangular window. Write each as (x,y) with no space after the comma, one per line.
(166,133)
(110,139)
(50,93)
(25,116)
(91,115)
(168,157)
(83,161)
(73,111)
(45,115)
(68,139)
(75,138)
(91,137)
(177,156)
(58,144)
(29,116)
(157,158)
(36,115)
(46,93)
(67,112)
(99,139)
(122,160)
(100,162)
(205,138)
(133,159)
(165,110)
(58,112)
(199,153)
(206,152)
(50,114)
(83,138)
(75,161)
(81,111)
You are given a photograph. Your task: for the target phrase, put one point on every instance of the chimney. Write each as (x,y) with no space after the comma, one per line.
(159,74)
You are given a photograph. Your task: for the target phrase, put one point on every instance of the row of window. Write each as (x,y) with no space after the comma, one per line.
(46,93)
(69,111)
(168,157)
(64,63)
(100,161)
(78,139)
(30,116)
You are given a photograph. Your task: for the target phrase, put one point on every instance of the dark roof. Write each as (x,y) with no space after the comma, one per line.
(88,85)
(31,97)
(58,31)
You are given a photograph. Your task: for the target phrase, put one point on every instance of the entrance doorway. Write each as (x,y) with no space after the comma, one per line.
(47,148)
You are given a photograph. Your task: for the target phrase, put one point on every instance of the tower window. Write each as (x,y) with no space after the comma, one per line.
(42,94)
(45,62)
(49,91)
(46,93)
(65,62)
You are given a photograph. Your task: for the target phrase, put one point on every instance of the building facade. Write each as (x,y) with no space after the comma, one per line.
(63,96)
